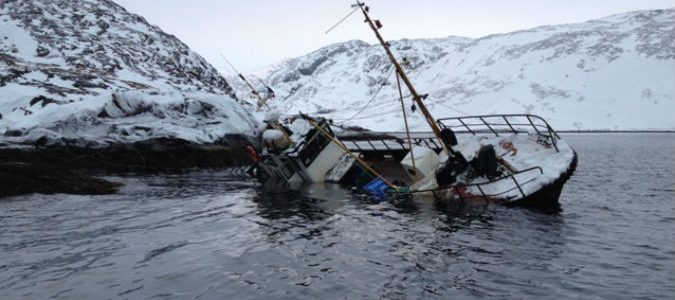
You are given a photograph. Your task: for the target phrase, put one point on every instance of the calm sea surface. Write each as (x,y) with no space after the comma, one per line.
(206,236)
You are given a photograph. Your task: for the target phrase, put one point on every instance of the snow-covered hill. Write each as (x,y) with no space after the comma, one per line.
(616,73)
(87,72)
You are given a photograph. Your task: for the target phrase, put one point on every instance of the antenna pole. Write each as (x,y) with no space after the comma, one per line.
(250,86)
(275,124)
(416,96)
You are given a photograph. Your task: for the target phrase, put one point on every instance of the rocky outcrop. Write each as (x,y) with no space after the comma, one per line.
(78,47)
(88,73)
(87,87)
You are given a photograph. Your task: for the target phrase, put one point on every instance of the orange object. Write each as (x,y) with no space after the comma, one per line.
(252,154)
(508,146)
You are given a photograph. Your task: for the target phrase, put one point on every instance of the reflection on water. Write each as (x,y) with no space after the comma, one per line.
(204,235)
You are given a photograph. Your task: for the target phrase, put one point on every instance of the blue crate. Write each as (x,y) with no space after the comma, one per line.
(378,188)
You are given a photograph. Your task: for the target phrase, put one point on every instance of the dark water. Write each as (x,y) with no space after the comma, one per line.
(205,236)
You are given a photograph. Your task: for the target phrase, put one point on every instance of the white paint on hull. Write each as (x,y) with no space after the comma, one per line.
(317,170)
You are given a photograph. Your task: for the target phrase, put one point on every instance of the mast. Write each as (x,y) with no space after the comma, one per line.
(416,96)
(255,92)
(276,124)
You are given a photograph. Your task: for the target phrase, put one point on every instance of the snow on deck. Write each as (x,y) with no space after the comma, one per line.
(529,153)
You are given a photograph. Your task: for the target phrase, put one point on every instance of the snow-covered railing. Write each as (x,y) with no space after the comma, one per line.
(496,124)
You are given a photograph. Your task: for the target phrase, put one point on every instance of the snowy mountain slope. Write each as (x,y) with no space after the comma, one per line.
(65,63)
(615,73)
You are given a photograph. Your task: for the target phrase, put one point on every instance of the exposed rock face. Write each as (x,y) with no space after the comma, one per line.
(87,86)
(608,74)
(80,47)
(88,73)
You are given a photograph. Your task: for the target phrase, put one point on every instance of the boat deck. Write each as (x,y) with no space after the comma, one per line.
(526,144)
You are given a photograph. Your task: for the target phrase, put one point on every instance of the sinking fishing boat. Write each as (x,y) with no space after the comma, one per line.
(512,159)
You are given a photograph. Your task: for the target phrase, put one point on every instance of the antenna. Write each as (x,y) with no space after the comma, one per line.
(261,101)
(375,25)
(229,64)
(253,90)
(356,7)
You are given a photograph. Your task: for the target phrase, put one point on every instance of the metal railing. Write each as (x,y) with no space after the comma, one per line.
(456,188)
(496,124)
(387,143)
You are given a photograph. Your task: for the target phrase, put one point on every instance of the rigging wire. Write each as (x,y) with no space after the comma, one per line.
(341,20)
(275,124)
(393,110)
(407,129)
(416,75)
(228,63)
(344,148)
(453,108)
(263,83)
(369,101)
(353,117)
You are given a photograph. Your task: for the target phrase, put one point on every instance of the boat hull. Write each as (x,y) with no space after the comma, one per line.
(546,198)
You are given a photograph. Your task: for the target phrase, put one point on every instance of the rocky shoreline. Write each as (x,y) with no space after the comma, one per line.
(77,170)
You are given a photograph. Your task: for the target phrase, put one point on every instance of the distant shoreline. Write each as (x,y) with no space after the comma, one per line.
(615,131)
(558,131)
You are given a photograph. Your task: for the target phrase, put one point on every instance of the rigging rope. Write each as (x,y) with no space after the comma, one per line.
(346,150)
(369,101)
(355,115)
(341,20)
(407,129)
(262,102)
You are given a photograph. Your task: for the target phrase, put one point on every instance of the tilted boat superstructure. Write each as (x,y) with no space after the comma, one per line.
(514,159)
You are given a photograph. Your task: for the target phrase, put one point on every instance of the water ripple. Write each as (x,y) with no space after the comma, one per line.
(206,235)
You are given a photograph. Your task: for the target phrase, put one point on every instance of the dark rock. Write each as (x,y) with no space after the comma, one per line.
(310,68)
(64,169)
(103,114)
(160,154)
(121,42)
(19,178)
(14,133)
(12,75)
(81,84)
(42,100)
(42,51)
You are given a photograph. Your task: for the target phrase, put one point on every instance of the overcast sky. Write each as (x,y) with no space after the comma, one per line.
(256,33)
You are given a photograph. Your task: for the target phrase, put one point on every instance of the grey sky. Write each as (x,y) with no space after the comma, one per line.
(256,33)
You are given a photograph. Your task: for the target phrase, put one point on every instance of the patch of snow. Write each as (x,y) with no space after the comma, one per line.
(586,76)
(89,73)
(200,118)
(272,135)
(529,154)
